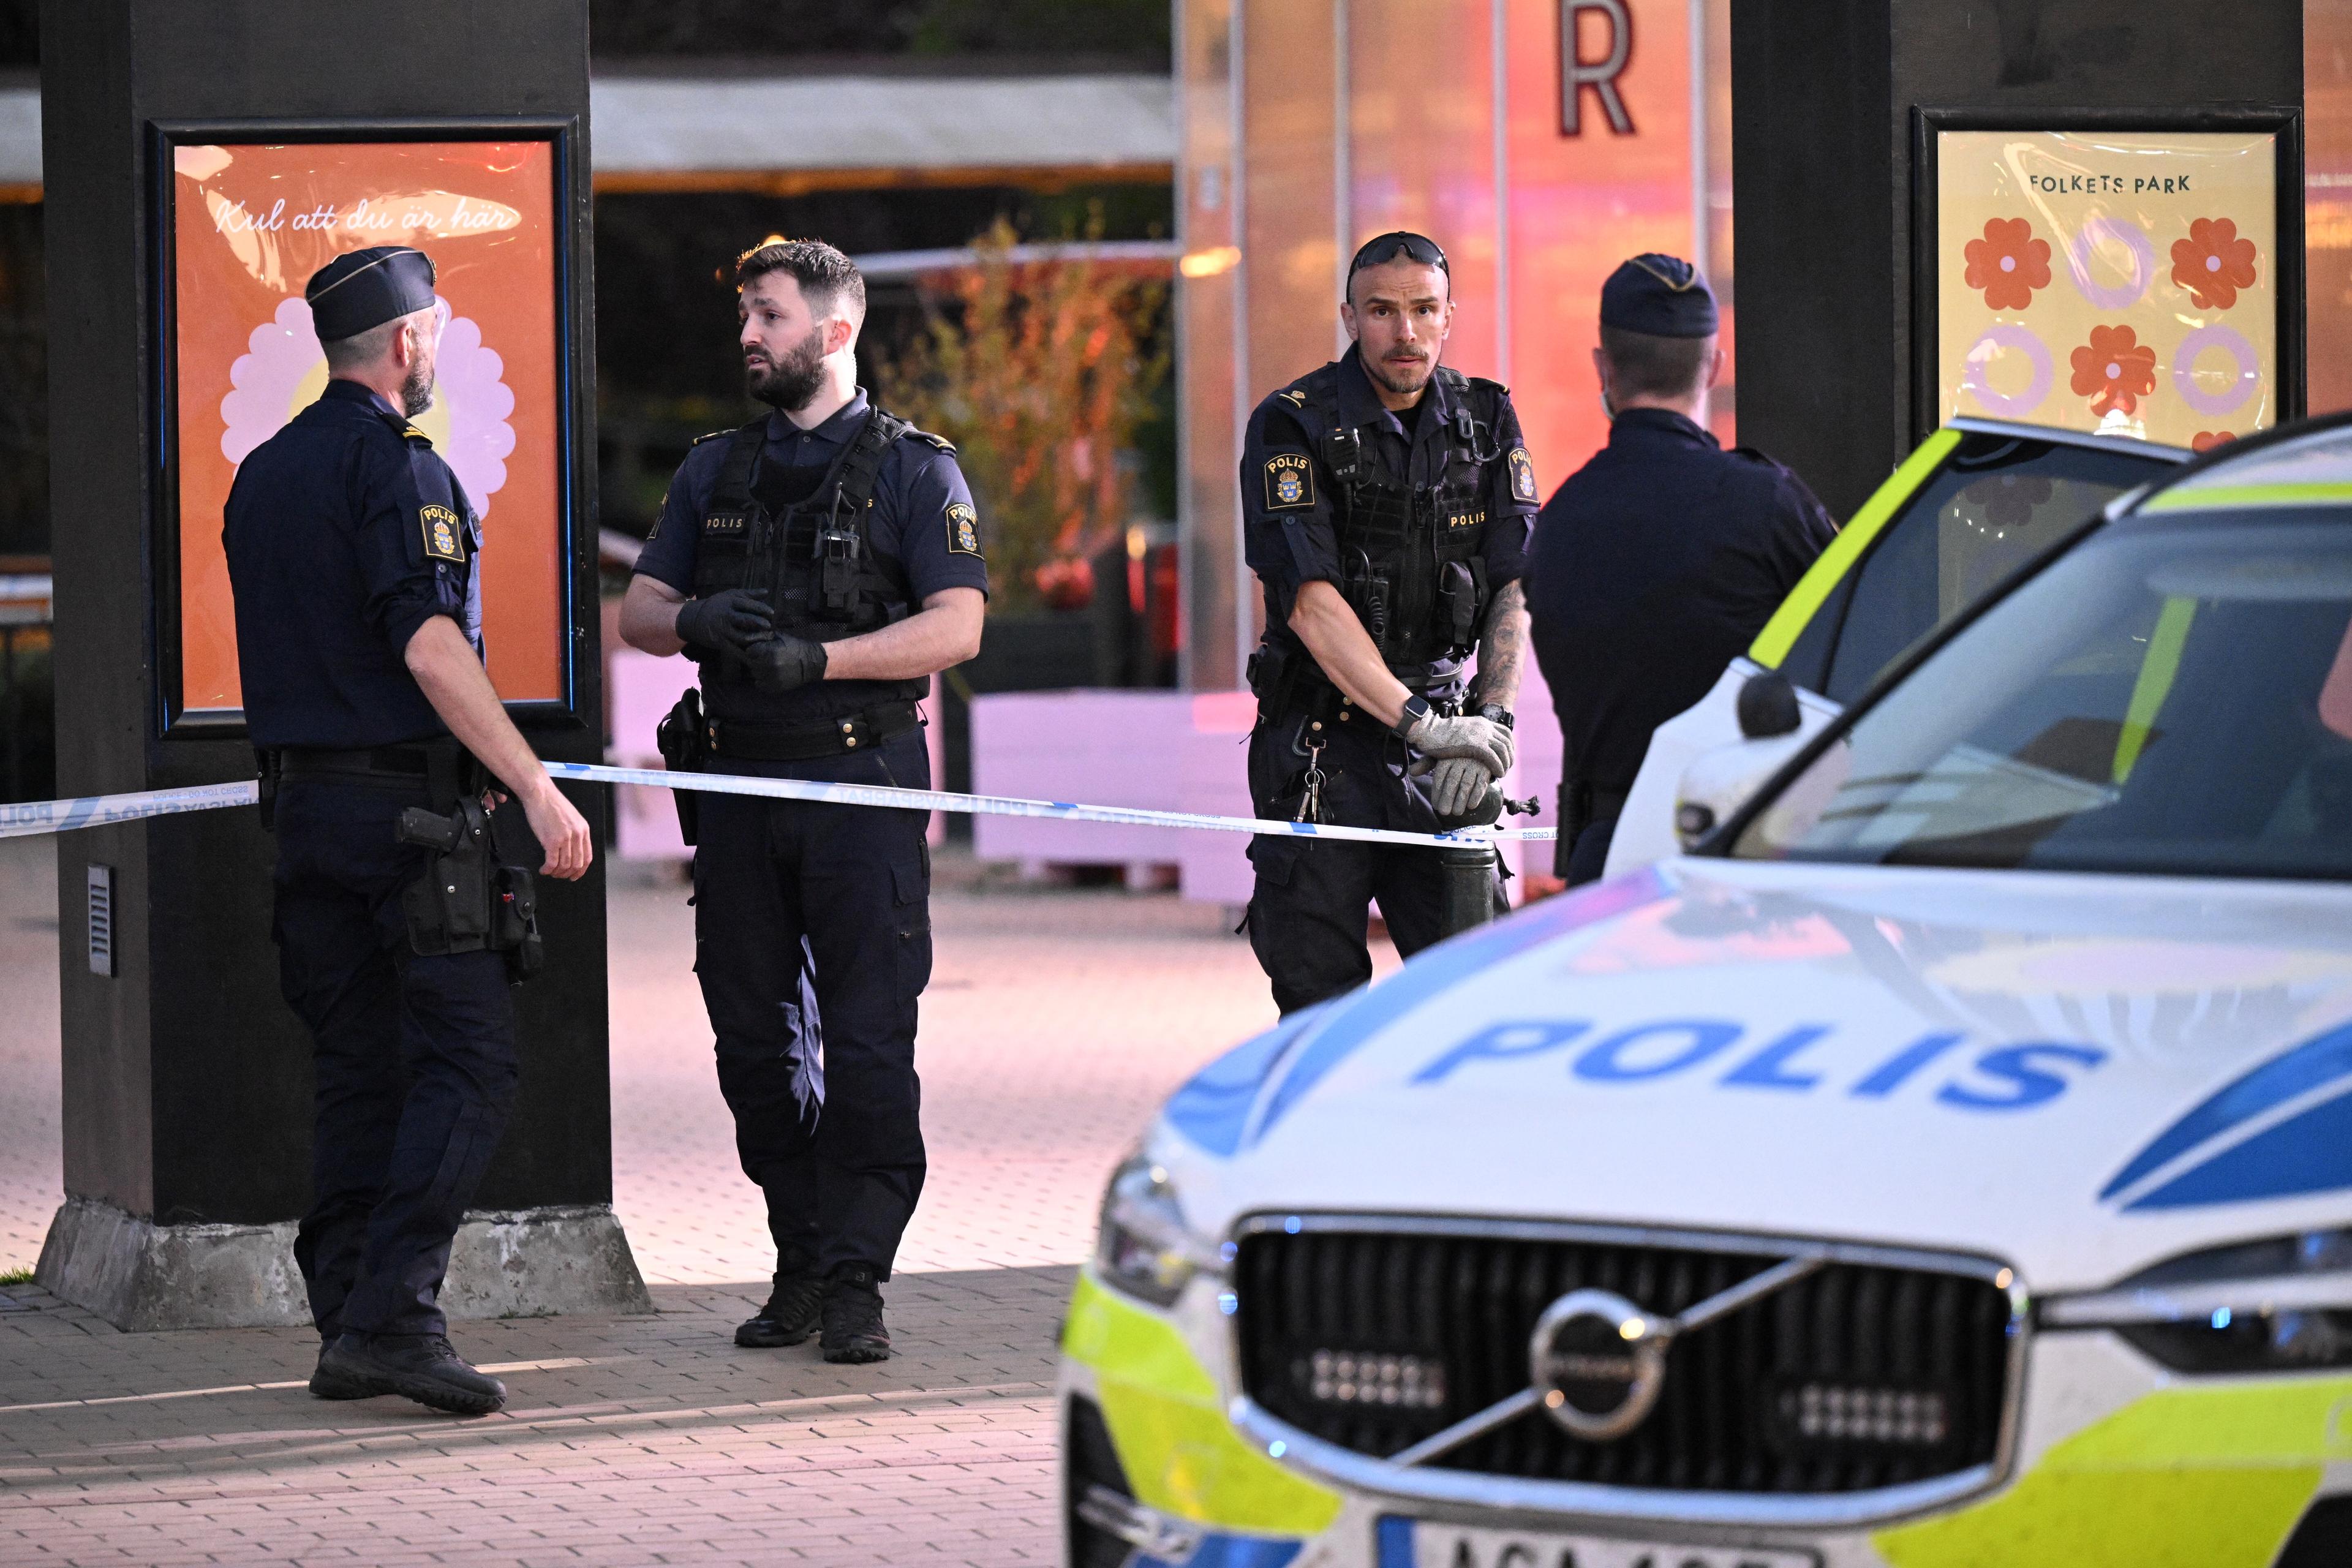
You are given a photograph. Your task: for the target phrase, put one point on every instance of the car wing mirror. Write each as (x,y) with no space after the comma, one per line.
(1719,781)
(1767,706)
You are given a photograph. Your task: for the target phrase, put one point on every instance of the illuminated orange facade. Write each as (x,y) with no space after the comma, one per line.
(1540,142)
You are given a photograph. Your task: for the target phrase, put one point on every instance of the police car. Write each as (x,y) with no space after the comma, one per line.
(1949,1164)
(1976,499)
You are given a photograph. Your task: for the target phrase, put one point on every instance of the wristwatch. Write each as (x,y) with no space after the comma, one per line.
(1495,714)
(1416,709)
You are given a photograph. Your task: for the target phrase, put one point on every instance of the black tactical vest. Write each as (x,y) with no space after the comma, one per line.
(807,548)
(1411,562)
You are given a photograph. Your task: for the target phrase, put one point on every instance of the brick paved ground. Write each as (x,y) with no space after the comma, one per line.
(1056,1019)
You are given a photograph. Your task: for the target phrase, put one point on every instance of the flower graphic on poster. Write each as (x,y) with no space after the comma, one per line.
(2114,370)
(283,370)
(2206,440)
(2009,500)
(2213,263)
(2009,264)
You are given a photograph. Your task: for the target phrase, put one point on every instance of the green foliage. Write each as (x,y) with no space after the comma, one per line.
(16,1277)
(1043,373)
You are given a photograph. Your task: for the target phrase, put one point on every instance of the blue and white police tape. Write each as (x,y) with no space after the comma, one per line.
(1010,805)
(24,818)
(96,810)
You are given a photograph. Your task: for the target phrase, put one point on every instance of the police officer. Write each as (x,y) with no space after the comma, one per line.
(820,565)
(1385,500)
(1662,558)
(354,558)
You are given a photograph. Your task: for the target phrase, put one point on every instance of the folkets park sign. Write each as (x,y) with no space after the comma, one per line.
(2127,284)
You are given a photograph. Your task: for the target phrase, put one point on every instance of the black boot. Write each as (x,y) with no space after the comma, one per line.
(330,1383)
(791,1314)
(853,1316)
(416,1366)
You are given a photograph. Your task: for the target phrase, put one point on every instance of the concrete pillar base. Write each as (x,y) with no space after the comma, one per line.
(140,1276)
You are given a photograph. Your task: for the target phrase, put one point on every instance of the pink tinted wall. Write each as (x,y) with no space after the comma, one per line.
(1421,139)
(1310,125)
(1582,204)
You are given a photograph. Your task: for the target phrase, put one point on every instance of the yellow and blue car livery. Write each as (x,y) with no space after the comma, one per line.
(1757,1214)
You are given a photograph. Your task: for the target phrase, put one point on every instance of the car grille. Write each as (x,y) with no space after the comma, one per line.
(1856,1378)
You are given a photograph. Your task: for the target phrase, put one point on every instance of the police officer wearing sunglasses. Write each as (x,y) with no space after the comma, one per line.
(1386,502)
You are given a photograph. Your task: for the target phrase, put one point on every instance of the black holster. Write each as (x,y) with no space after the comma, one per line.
(682,741)
(265,765)
(468,901)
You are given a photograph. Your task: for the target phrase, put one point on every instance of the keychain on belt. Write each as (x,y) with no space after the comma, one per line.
(1310,804)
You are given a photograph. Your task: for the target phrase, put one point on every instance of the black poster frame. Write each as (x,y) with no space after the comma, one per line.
(173,720)
(2284,122)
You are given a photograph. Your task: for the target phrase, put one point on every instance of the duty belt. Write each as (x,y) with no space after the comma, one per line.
(805,742)
(404,765)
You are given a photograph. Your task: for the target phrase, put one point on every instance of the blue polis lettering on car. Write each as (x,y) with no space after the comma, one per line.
(2280,1129)
(2014,1076)
(1235,1099)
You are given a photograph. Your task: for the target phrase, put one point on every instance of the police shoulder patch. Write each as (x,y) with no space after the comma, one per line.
(1523,475)
(443,532)
(942,442)
(963,529)
(1295,398)
(1290,482)
(709,435)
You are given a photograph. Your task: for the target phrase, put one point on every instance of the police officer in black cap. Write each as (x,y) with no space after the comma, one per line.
(1661,559)
(820,565)
(353,556)
(1385,500)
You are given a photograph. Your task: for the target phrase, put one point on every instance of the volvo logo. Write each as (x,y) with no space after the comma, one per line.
(1599,1362)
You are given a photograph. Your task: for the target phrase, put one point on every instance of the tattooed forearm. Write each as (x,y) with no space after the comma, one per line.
(1503,648)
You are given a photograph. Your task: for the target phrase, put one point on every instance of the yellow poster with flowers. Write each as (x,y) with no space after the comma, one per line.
(2124,284)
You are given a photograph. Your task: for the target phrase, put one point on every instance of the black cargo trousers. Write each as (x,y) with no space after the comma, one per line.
(414,1058)
(840,895)
(1311,910)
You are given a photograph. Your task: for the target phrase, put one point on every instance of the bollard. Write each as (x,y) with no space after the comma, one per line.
(1466,873)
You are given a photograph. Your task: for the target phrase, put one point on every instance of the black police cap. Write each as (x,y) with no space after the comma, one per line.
(1662,296)
(363,289)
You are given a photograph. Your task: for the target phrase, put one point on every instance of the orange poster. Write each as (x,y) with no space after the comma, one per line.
(250,224)
(2117,283)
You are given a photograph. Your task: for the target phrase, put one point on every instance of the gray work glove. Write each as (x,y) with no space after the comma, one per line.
(728,622)
(1456,784)
(785,663)
(1481,740)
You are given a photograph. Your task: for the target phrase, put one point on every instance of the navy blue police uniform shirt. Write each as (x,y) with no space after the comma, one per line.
(343,537)
(1290,546)
(1655,566)
(910,523)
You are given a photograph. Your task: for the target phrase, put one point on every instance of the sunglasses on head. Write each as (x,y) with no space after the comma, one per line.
(1388,247)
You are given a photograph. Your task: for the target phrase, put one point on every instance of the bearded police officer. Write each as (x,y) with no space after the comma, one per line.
(1385,500)
(1661,559)
(354,558)
(820,565)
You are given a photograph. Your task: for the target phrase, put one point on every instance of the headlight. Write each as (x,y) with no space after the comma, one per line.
(2282,1304)
(1145,1249)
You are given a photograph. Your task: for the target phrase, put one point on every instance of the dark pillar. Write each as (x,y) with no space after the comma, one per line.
(1823,95)
(187,1081)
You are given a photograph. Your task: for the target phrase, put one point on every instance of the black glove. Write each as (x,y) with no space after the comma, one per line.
(785,663)
(733,620)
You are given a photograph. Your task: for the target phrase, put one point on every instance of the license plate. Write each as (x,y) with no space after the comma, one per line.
(1428,1545)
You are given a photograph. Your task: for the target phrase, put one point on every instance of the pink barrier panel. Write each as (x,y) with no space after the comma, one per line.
(1171,751)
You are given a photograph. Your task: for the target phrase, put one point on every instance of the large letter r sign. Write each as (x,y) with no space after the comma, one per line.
(1576,74)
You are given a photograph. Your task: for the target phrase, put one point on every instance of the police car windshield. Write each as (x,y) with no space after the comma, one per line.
(2174,696)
